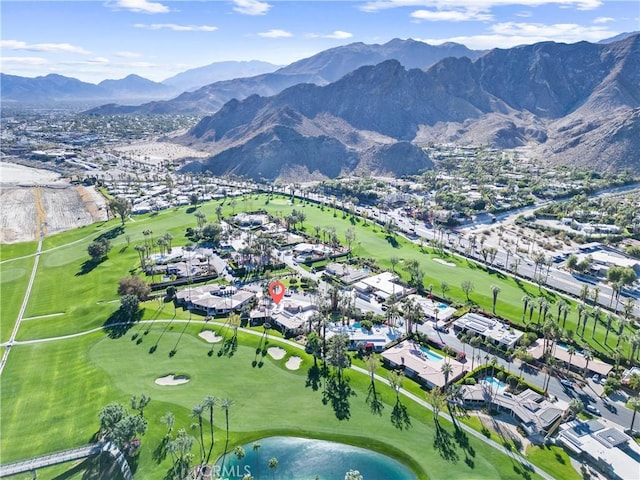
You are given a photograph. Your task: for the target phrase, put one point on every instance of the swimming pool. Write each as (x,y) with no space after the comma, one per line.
(442,306)
(357,325)
(433,356)
(494,382)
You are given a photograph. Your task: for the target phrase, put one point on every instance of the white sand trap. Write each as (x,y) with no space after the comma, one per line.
(444,262)
(293,363)
(277,353)
(172,380)
(210,336)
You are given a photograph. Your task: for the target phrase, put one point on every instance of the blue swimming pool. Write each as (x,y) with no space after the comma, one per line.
(494,382)
(433,356)
(442,306)
(357,325)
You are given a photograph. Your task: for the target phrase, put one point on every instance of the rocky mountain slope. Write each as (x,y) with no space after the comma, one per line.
(571,103)
(320,69)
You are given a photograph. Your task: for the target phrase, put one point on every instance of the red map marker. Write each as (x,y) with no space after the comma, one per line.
(276,290)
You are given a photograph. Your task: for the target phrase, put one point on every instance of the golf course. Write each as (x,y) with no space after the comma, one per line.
(64,366)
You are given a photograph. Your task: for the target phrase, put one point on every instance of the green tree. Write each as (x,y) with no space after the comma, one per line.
(99,249)
(467,288)
(121,207)
(134,285)
(129,306)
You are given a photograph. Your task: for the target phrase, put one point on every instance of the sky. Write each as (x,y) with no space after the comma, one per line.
(156,39)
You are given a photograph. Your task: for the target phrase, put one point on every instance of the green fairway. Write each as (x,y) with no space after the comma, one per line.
(61,398)
(51,392)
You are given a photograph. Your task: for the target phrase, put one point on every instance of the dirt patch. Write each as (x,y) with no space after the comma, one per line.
(169,380)
(210,336)
(293,363)
(276,353)
(153,153)
(61,206)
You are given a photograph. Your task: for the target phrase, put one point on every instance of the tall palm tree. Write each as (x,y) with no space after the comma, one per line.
(596,317)
(197,412)
(571,351)
(588,356)
(565,311)
(446,369)
(610,319)
(226,404)
(584,293)
(495,290)
(208,403)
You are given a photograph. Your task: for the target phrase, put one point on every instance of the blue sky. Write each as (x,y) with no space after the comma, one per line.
(95,40)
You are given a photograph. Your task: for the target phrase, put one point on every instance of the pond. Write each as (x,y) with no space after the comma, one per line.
(303,458)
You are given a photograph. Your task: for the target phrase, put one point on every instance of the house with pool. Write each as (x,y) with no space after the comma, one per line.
(374,339)
(536,414)
(422,364)
(433,309)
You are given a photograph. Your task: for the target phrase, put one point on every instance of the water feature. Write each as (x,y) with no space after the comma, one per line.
(304,459)
(433,356)
(442,306)
(495,383)
(357,325)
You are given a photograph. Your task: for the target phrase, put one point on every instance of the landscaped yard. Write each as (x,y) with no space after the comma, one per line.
(58,388)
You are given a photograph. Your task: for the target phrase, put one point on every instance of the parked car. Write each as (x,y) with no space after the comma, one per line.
(592,409)
(603,380)
(566,383)
(595,378)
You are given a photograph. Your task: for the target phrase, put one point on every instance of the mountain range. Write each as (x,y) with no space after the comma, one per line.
(320,69)
(570,103)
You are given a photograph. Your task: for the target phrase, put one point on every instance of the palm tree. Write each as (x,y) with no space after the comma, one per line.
(584,293)
(197,411)
(576,406)
(595,294)
(571,351)
(495,290)
(610,319)
(444,286)
(526,299)
(209,402)
(565,312)
(226,404)
(446,370)
(596,317)
(581,314)
(273,464)
(475,342)
(634,402)
(588,356)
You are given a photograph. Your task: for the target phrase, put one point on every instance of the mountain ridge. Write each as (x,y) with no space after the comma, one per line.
(563,101)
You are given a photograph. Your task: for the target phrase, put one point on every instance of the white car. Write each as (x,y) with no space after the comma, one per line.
(592,409)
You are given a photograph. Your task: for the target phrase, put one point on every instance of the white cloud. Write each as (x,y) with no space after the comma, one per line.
(251,7)
(603,20)
(451,15)
(42,47)
(480,5)
(128,54)
(275,33)
(101,60)
(23,60)
(511,34)
(176,27)
(335,35)
(140,6)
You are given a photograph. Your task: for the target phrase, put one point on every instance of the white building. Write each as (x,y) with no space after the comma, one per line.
(607,448)
(490,328)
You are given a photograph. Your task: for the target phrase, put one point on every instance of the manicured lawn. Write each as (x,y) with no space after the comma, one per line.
(58,387)
(14,278)
(554,460)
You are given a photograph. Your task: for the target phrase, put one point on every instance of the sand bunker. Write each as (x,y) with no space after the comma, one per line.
(444,262)
(293,363)
(172,380)
(210,336)
(277,353)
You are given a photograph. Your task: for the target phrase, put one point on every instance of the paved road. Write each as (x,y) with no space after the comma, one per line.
(613,409)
